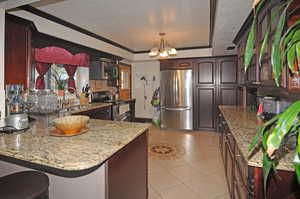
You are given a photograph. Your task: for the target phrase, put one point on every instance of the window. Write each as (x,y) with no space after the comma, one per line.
(49,80)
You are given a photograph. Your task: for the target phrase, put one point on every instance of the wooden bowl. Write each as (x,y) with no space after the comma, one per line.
(71,124)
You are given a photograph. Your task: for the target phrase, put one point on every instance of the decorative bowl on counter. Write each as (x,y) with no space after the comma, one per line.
(71,124)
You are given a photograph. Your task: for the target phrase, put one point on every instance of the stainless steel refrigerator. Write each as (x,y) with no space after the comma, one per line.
(176,98)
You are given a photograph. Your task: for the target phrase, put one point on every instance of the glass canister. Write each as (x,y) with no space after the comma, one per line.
(42,101)
(48,101)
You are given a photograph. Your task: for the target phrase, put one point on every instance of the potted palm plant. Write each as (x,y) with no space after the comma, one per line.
(273,135)
(60,83)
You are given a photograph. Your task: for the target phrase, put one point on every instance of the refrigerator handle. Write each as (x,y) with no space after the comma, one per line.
(176,88)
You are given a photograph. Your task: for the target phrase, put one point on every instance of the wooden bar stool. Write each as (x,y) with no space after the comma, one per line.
(24,185)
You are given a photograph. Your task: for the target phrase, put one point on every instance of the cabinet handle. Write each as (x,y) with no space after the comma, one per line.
(237,156)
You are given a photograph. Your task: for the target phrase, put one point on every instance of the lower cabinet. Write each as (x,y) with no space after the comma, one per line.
(246,182)
(127,171)
(101,113)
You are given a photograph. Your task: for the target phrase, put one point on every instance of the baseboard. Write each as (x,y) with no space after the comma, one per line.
(143,120)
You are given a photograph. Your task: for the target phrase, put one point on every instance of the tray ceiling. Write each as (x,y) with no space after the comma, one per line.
(136,23)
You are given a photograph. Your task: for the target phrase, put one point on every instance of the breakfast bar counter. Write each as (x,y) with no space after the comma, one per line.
(107,148)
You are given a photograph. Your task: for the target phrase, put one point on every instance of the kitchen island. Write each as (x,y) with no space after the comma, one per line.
(109,161)
(238,126)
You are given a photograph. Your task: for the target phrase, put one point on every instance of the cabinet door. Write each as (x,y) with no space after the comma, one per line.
(204,109)
(228,70)
(204,72)
(17,54)
(229,96)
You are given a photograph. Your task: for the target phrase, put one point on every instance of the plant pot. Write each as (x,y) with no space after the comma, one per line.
(61,92)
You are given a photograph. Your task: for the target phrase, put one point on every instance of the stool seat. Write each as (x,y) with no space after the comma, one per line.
(24,185)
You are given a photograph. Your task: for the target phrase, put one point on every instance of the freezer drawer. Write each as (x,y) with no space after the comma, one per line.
(177,118)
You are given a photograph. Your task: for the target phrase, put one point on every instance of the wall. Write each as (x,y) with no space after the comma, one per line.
(60,31)
(148,69)
(2,48)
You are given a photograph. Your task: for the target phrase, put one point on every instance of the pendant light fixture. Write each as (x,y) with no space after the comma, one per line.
(163,51)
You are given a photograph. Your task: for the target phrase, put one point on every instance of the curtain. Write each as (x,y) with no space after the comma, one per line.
(71,70)
(42,69)
(59,55)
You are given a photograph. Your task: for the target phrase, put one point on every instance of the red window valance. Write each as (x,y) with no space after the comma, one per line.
(59,55)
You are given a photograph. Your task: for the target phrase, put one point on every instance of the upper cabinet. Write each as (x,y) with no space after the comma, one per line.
(18,54)
(261,73)
(175,64)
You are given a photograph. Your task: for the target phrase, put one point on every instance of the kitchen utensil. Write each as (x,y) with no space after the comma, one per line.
(71,124)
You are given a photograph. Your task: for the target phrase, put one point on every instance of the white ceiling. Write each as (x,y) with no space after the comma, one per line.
(230,15)
(135,24)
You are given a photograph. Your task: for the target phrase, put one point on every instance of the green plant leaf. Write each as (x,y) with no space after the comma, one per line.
(249,50)
(298,54)
(284,124)
(261,132)
(264,45)
(297,163)
(291,57)
(267,166)
(276,55)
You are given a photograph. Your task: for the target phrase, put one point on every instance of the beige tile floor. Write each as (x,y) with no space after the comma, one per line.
(197,174)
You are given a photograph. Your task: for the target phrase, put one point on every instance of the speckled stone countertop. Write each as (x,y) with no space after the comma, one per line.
(76,153)
(244,126)
(87,107)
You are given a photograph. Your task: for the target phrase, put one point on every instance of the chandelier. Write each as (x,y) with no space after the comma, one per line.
(163,51)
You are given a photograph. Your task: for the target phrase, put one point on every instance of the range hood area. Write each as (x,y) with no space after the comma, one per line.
(103,70)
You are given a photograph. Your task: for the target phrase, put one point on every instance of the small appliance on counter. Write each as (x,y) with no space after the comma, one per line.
(17,118)
(272,106)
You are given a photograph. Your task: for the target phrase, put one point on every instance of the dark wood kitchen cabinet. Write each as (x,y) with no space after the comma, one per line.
(261,75)
(104,113)
(127,171)
(245,181)
(215,83)
(175,64)
(18,52)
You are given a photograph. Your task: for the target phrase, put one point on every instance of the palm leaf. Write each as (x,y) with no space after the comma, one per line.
(291,58)
(249,51)
(284,124)
(262,130)
(298,54)
(267,166)
(276,55)
(264,45)
(297,162)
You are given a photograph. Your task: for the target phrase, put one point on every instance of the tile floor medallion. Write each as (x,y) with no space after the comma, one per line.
(185,165)
(165,150)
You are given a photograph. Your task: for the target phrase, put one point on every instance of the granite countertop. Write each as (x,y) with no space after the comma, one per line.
(244,126)
(76,153)
(87,107)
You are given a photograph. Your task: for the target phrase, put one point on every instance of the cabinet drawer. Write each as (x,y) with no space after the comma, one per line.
(241,165)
